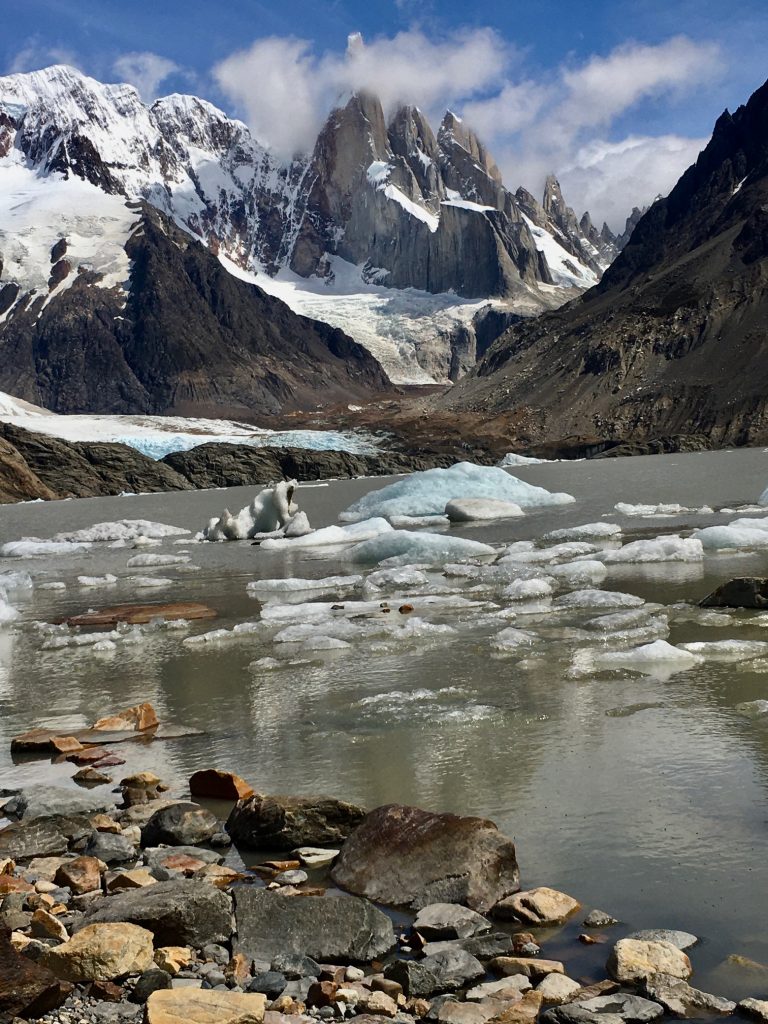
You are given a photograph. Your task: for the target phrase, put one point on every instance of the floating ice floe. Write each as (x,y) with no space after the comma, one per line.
(384,579)
(107,580)
(513,459)
(427,493)
(271,513)
(728,650)
(510,639)
(556,553)
(290,585)
(468,510)
(580,573)
(52,585)
(419,522)
(630,619)
(669,509)
(147,582)
(122,529)
(7,612)
(529,590)
(598,599)
(403,546)
(331,536)
(34,547)
(657,657)
(587,531)
(146,561)
(312,611)
(661,549)
(753,708)
(739,534)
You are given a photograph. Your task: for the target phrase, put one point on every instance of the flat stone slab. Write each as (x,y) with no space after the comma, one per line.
(683,940)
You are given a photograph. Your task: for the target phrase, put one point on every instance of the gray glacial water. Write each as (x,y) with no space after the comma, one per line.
(644,796)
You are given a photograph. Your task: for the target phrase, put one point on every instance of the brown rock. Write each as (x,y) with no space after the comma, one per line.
(88,755)
(600,988)
(204,1006)
(388,985)
(632,960)
(172,959)
(46,926)
(238,970)
(218,875)
(65,744)
(184,863)
(107,991)
(136,878)
(405,856)
(10,884)
(103,823)
(18,481)
(537,906)
(27,987)
(219,785)
(286,822)
(322,993)
(523,1012)
(7,866)
(379,1003)
(137,718)
(530,967)
(91,777)
(83,874)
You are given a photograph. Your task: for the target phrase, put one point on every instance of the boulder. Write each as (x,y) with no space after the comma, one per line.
(449,921)
(405,856)
(490,944)
(531,967)
(81,874)
(633,960)
(537,906)
(46,926)
(178,913)
(557,988)
(453,968)
(218,785)
(504,988)
(599,919)
(683,940)
(109,847)
(682,1000)
(102,952)
(27,988)
(204,1006)
(571,1013)
(327,928)
(149,982)
(631,1008)
(743,592)
(284,822)
(42,801)
(45,837)
(523,1012)
(179,824)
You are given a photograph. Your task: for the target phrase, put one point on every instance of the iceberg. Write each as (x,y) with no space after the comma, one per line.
(659,657)
(469,510)
(661,549)
(406,547)
(123,529)
(513,459)
(598,599)
(586,531)
(427,493)
(33,547)
(271,513)
(669,509)
(332,536)
(529,590)
(728,650)
(739,534)
(145,561)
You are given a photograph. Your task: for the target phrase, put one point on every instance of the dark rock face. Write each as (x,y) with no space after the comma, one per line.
(42,837)
(746,592)
(284,822)
(181,824)
(326,928)
(672,340)
(17,481)
(27,989)
(191,337)
(178,913)
(404,856)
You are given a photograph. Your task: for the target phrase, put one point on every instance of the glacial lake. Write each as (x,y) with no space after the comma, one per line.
(643,795)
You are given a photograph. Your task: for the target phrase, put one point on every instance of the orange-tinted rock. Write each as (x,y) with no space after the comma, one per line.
(87,755)
(80,875)
(10,884)
(65,744)
(106,991)
(137,718)
(27,987)
(219,785)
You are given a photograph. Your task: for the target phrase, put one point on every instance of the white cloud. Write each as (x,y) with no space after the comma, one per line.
(35,55)
(285,90)
(562,119)
(147,71)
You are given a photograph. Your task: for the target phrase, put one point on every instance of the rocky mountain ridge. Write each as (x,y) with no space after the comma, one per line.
(673,338)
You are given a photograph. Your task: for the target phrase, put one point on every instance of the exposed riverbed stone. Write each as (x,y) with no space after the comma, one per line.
(531,967)
(27,987)
(284,822)
(683,940)
(110,848)
(599,919)
(537,906)
(191,1006)
(179,912)
(523,1012)
(43,801)
(505,988)
(80,874)
(180,824)
(682,1000)
(326,928)
(449,921)
(407,856)
(218,785)
(632,960)
(631,1008)
(101,952)
(557,988)
(42,837)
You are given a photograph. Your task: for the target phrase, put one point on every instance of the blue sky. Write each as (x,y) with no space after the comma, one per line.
(615,97)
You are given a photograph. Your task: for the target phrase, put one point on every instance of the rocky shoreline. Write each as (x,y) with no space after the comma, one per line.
(140,903)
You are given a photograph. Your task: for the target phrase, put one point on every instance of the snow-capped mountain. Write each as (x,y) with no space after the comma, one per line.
(396,234)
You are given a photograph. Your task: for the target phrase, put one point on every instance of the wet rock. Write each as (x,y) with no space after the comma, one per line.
(169,857)
(101,952)
(150,981)
(218,785)
(204,1006)
(756,1008)
(295,877)
(632,960)
(744,592)
(323,927)
(179,913)
(631,1008)
(43,801)
(449,921)
(528,966)
(556,989)
(682,1000)
(27,987)
(283,822)
(138,718)
(180,824)
(406,856)
(91,777)
(140,614)
(110,848)
(537,906)
(599,919)
(683,940)
(314,856)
